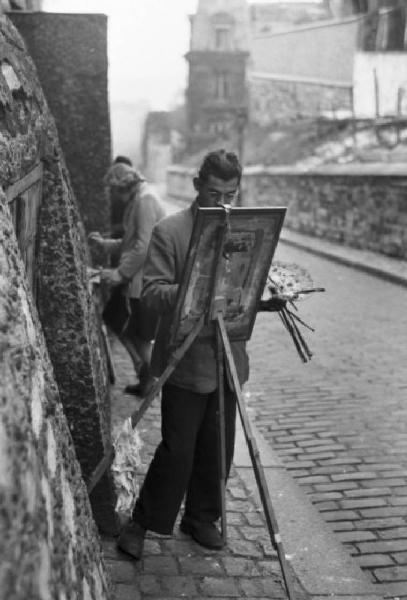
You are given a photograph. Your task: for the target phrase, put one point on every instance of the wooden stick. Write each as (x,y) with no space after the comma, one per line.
(176,356)
(310,290)
(300,320)
(299,335)
(257,466)
(221,430)
(291,331)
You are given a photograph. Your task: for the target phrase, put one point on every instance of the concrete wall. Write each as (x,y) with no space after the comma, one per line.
(69,321)
(387,71)
(303,72)
(70,53)
(363,206)
(323,52)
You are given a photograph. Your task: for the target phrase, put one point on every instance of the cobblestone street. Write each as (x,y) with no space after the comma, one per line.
(340,422)
(177,567)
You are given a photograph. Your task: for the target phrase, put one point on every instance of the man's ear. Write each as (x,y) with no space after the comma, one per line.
(197,183)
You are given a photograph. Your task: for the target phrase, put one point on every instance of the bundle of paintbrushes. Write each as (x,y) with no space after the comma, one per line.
(287,283)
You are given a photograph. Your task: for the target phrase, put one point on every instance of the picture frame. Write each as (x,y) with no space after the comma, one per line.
(227,264)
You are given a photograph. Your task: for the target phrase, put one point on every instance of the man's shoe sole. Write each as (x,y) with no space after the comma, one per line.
(190,530)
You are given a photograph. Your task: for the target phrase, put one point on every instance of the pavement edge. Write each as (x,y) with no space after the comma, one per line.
(319,561)
(343,257)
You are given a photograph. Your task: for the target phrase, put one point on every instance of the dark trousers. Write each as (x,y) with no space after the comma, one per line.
(186,460)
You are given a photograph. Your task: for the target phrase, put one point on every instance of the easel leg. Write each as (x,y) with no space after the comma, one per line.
(109,357)
(257,466)
(221,430)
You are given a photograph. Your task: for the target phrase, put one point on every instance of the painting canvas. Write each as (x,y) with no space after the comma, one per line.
(229,257)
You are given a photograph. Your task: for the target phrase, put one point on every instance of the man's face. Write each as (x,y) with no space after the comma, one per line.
(215,191)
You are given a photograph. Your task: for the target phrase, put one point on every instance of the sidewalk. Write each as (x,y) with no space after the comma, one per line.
(176,567)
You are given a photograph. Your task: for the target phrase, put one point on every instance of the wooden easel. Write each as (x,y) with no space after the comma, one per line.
(224,357)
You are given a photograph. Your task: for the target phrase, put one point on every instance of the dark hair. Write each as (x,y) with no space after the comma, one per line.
(221,164)
(122,159)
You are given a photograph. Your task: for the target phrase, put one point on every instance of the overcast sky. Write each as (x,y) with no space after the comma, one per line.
(147,43)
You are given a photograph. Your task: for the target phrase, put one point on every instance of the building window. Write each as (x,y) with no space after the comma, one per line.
(24,199)
(222,38)
(222,86)
(223,31)
(217,127)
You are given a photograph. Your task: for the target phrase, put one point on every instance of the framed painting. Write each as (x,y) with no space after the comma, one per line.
(228,260)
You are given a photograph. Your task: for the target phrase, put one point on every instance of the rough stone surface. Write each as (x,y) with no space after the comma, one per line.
(294,100)
(70,54)
(49,545)
(63,300)
(66,311)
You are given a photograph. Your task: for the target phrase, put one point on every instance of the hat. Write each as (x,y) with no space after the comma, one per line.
(122,176)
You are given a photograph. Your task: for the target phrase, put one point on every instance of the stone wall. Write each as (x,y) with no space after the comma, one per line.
(49,543)
(274,100)
(69,321)
(363,206)
(70,54)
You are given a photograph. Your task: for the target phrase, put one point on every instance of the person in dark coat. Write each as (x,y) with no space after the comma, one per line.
(186,461)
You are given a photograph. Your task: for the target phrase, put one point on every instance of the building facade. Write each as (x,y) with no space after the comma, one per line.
(380,66)
(219,50)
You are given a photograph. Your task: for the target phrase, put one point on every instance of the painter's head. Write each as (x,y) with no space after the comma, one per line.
(218,179)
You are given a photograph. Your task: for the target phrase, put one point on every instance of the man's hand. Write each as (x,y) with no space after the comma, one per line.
(273,304)
(111,276)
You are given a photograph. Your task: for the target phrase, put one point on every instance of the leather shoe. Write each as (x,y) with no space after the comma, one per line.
(133,389)
(206,534)
(140,389)
(146,382)
(131,539)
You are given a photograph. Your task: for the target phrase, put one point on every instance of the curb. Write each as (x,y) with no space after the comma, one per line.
(339,258)
(319,561)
